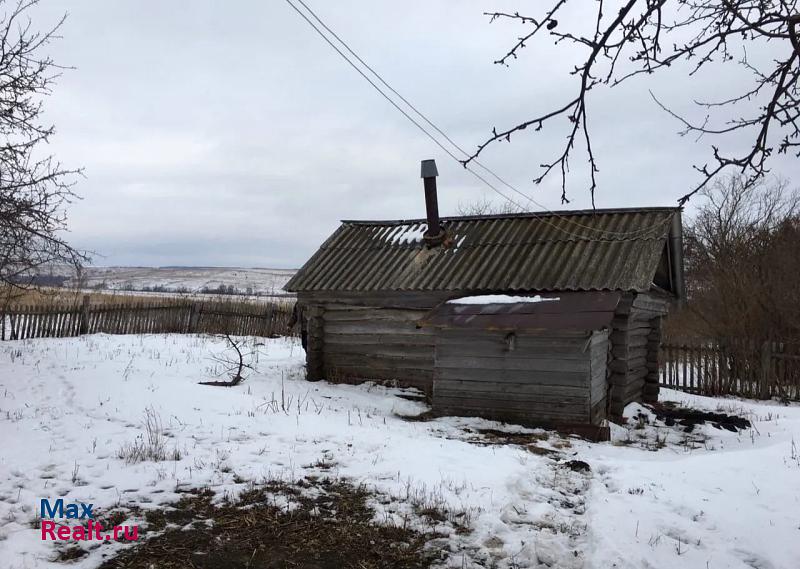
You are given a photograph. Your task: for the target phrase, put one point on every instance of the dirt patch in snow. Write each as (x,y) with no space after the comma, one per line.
(678,426)
(690,418)
(314,523)
(496,436)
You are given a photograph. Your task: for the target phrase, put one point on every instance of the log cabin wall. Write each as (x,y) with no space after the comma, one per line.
(375,336)
(635,336)
(538,379)
(651,380)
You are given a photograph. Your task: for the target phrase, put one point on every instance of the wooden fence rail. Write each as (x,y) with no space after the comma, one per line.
(56,320)
(746,369)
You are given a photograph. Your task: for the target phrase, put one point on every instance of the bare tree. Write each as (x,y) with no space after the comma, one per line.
(485,206)
(742,262)
(630,38)
(34,187)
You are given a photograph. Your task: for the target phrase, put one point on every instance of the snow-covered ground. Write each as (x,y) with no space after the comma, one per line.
(655,497)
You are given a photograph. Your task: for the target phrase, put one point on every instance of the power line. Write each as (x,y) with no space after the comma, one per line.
(455,145)
(394,104)
(442,133)
(415,109)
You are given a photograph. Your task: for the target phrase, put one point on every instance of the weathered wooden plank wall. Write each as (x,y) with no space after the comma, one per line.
(375,343)
(375,336)
(543,379)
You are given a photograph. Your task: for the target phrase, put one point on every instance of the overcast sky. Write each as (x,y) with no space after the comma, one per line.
(228,133)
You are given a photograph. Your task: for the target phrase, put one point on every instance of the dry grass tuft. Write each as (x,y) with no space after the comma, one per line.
(151,445)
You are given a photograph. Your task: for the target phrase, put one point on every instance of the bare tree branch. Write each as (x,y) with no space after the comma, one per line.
(705,33)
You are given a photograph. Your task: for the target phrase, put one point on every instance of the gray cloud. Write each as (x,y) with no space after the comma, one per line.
(228,134)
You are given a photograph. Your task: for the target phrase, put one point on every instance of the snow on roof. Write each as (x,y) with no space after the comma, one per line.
(410,234)
(500,299)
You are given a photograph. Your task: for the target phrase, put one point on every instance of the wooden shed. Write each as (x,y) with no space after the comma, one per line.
(379,303)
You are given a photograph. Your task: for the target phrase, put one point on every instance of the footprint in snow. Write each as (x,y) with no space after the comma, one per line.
(753,560)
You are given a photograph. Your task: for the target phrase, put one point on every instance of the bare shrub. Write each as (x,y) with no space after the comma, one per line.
(233,362)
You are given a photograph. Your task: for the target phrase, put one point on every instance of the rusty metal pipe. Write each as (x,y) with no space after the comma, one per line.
(434,234)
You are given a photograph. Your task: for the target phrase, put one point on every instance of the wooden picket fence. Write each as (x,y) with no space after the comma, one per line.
(64,319)
(746,369)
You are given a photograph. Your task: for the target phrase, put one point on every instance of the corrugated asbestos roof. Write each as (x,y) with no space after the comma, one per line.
(570,250)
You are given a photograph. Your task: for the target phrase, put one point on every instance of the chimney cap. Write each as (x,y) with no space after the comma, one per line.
(429,169)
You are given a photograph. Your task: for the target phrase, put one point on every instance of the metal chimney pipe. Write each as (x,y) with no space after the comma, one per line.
(434,235)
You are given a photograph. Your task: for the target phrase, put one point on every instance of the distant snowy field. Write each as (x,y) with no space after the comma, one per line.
(67,406)
(187,279)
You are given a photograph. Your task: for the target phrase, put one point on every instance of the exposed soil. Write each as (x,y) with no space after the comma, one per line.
(334,529)
(689,418)
(578,466)
(495,436)
(410,396)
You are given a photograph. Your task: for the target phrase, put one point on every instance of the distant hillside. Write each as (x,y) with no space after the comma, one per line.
(219,280)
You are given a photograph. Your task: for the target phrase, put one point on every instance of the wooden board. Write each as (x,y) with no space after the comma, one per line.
(599,354)
(389,299)
(492,377)
(516,360)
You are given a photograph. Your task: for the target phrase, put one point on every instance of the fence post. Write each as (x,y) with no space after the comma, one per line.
(269,321)
(84,326)
(194,318)
(766,357)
